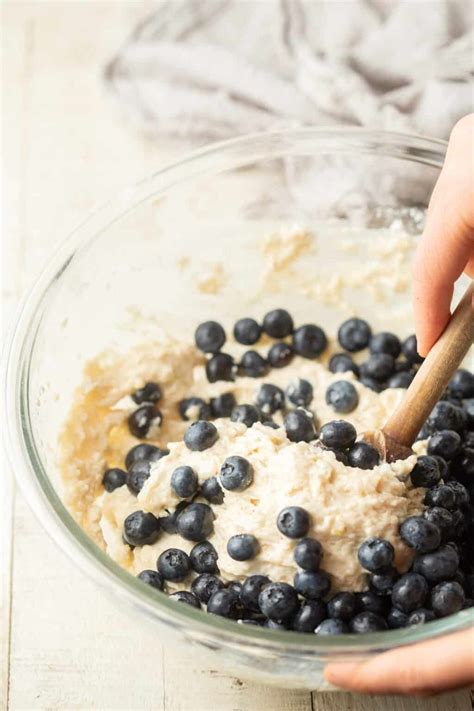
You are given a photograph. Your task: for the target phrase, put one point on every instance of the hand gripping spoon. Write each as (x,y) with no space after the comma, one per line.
(395,439)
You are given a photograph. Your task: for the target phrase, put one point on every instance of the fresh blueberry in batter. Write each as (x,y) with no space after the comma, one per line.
(200,435)
(354,335)
(114,478)
(150,392)
(141,421)
(209,337)
(280,355)
(248,414)
(236,473)
(309,341)
(342,396)
(212,491)
(278,323)
(300,392)
(247,331)
(204,558)
(194,408)
(220,367)
(293,522)
(253,365)
(270,398)
(299,426)
(140,528)
(195,523)
(174,564)
(184,482)
(242,546)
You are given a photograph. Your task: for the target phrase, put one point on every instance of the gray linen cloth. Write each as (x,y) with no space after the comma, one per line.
(211,69)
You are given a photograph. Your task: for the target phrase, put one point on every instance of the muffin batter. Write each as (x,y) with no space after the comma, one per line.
(347,505)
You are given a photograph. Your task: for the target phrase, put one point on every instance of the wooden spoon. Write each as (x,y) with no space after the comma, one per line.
(395,439)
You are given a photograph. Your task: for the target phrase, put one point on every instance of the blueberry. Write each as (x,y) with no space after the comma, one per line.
(222,405)
(225,604)
(332,627)
(195,523)
(363,456)
(420,616)
(461,494)
(278,323)
(379,367)
(354,334)
(137,476)
(212,490)
(425,472)
(194,408)
(309,341)
(235,587)
(247,331)
(270,398)
(184,482)
(371,383)
(342,396)
(200,435)
(253,365)
(141,528)
(236,473)
(342,606)
(312,585)
(383,582)
(462,466)
(114,478)
(468,439)
(144,420)
(445,416)
(387,343)
(309,616)
(442,464)
(409,592)
(299,426)
(204,557)
(437,566)
(342,363)
(220,367)
(376,554)
(367,622)
(174,564)
(242,546)
(441,495)
(308,553)
(400,380)
(248,414)
(442,518)
(251,589)
(396,619)
(209,337)
(150,392)
(338,434)
(272,625)
(144,452)
(300,392)
(186,597)
(447,598)
(410,350)
(168,523)
(293,522)
(153,578)
(461,384)
(372,602)
(420,534)
(280,355)
(278,601)
(445,443)
(468,407)
(205,585)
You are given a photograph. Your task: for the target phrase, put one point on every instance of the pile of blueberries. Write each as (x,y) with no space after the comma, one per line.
(440,581)
(391,364)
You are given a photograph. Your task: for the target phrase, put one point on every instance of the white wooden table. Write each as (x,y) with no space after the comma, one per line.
(66,149)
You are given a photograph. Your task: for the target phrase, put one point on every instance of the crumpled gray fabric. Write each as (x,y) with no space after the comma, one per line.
(211,69)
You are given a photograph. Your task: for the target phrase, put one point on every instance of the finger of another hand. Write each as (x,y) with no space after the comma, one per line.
(433,666)
(446,248)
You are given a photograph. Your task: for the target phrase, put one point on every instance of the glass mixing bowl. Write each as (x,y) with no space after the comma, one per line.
(205,238)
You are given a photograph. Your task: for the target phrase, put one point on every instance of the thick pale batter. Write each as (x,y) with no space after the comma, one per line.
(347,505)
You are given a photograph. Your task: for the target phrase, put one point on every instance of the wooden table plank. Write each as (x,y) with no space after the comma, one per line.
(66,151)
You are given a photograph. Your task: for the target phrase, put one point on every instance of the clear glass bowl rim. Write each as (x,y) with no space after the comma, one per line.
(20,443)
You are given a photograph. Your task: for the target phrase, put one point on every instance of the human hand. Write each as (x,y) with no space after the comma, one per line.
(446,248)
(426,668)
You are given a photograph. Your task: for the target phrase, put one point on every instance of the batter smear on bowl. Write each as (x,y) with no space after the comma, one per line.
(229,474)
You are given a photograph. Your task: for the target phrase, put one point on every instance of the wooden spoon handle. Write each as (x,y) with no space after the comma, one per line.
(434,374)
